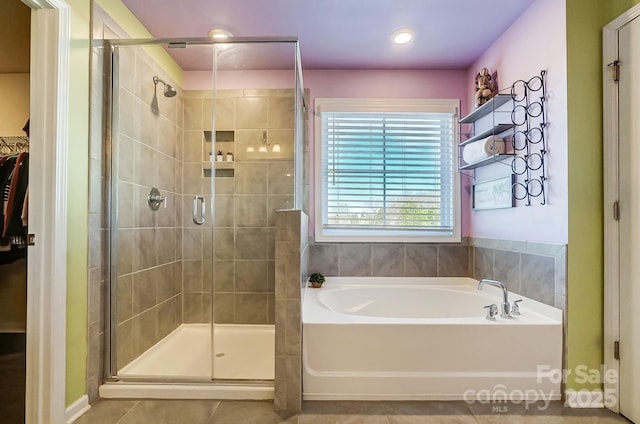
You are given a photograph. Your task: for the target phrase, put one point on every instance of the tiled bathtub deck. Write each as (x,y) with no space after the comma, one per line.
(256,412)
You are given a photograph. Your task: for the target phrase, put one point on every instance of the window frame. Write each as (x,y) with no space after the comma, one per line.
(383,105)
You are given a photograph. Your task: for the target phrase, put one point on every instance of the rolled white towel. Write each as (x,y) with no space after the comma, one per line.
(482,149)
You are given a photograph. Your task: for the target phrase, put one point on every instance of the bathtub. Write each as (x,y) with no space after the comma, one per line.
(425,339)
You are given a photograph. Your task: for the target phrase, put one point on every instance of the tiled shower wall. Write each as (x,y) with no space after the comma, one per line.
(197,245)
(248,191)
(291,275)
(149,154)
(149,141)
(535,270)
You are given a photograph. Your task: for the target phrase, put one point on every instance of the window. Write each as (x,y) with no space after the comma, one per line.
(386,170)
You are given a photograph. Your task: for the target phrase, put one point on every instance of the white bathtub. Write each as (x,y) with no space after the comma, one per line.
(425,338)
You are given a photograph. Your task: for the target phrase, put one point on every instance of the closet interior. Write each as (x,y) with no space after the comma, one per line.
(15,29)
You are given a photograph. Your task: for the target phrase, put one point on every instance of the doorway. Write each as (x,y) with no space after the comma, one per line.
(622,213)
(14,113)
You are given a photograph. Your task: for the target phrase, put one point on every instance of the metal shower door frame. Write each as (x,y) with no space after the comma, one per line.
(111,126)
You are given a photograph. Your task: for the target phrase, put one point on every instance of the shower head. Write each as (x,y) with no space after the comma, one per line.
(169,91)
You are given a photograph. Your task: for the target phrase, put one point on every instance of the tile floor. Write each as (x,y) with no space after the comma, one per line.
(109,411)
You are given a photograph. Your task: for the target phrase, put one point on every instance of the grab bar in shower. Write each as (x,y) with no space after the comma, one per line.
(198,219)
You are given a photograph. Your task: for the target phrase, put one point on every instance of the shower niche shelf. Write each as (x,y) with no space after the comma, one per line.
(518,114)
(222,169)
(224,141)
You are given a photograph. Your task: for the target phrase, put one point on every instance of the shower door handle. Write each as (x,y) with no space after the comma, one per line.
(198,212)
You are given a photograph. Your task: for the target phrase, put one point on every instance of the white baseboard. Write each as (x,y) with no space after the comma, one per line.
(77,409)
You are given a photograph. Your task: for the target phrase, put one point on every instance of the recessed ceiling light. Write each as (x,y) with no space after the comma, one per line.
(219,34)
(402,35)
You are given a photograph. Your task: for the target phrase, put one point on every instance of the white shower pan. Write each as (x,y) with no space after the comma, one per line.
(242,352)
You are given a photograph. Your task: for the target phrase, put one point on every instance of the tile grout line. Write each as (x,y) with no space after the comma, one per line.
(128,412)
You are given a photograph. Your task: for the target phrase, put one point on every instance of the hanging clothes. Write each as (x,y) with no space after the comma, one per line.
(14,181)
(17,192)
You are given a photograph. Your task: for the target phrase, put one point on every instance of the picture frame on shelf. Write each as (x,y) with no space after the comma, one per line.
(493,194)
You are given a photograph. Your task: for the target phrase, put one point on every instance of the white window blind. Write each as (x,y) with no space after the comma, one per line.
(388,174)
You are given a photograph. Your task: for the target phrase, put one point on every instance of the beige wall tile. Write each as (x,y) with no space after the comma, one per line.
(193,140)
(251,210)
(251,113)
(192,243)
(225,276)
(207,114)
(192,307)
(167,137)
(166,173)
(251,243)
(285,139)
(166,245)
(126,164)
(281,112)
(250,308)
(125,251)
(125,298)
(126,113)
(125,348)
(144,248)
(251,178)
(252,276)
(144,290)
(193,114)
(126,70)
(280,176)
(146,124)
(225,113)
(248,139)
(192,271)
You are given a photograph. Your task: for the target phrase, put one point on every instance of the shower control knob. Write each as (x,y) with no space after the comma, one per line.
(155,198)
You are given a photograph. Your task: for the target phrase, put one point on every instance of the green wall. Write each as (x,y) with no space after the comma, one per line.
(78,176)
(78,179)
(132,26)
(585,289)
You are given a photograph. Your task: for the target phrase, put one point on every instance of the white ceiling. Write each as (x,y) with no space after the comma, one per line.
(338,34)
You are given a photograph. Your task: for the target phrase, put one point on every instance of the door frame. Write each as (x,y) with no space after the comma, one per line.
(611,195)
(47,264)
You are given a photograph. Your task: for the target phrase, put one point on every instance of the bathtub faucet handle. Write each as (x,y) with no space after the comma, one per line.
(515,308)
(506,308)
(492,311)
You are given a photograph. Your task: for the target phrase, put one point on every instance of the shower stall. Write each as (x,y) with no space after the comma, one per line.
(195,172)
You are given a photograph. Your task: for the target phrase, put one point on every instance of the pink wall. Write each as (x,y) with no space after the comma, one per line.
(536,41)
(435,84)
(201,80)
(430,84)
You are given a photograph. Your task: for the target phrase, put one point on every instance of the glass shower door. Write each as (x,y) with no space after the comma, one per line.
(161,223)
(192,232)
(254,119)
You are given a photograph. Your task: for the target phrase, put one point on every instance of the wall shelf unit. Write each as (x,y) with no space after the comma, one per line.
(520,118)
(484,162)
(496,130)
(489,107)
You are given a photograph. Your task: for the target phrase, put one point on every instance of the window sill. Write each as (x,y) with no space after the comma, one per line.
(376,238)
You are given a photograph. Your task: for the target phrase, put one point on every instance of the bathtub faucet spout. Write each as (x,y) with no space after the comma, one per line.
(505,295)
